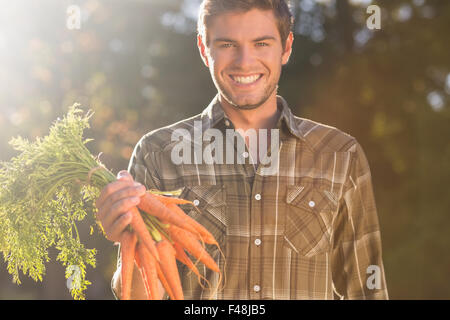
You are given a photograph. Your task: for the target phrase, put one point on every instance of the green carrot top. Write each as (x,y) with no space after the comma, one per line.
(44,191)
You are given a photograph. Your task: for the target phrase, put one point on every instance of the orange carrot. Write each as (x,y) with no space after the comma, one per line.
(149,267)
(169,268)
(151,205)
(182,257)
(136,257)
(142,271)
(166,200)
(164,282)
(188,241)
(127,252)
(138,225)
(200,230)
(161,276)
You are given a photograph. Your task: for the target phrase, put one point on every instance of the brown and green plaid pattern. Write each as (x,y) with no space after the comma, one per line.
(306,229)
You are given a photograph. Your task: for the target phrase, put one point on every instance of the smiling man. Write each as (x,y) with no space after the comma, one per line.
(303,227)
(245,53)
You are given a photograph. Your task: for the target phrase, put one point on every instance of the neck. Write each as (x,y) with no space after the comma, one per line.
(263,117)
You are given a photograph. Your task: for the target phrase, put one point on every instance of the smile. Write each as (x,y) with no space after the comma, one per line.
(246,80)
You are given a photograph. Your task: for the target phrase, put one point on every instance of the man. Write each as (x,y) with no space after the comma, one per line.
(296,222)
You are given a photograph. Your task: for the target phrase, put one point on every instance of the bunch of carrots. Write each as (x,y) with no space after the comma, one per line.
(161,233)
(47,189)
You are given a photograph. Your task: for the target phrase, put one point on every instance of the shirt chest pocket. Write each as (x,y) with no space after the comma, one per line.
(210,208)
(309,215)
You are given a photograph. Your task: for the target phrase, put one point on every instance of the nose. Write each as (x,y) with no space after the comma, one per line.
(244,58)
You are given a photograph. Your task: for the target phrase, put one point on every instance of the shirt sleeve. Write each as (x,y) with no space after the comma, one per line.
(143,166)
(356,258)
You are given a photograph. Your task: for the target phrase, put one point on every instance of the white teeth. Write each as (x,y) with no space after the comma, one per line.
(246,80)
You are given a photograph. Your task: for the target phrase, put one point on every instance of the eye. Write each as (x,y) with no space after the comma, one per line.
(262,44)
(226,45)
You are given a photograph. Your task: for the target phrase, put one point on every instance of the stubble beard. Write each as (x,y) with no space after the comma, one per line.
(268,91)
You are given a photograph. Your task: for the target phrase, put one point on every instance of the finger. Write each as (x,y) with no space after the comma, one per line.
(124,175)
(111,188)
(116,229)
(126,192)
(119,208)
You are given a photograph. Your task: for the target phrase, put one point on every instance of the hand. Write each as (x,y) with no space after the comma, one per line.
(114,203)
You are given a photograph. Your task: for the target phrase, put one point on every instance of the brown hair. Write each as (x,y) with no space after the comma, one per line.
(212,8)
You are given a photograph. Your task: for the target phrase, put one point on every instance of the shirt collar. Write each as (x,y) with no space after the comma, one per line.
(214,114)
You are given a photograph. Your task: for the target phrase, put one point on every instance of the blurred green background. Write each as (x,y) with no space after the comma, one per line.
(135,63)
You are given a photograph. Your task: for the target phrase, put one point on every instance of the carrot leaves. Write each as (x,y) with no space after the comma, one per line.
(45,192)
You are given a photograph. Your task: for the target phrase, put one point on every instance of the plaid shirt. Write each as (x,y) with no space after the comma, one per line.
(307,229)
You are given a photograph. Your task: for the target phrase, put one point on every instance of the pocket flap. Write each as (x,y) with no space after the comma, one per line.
(309,217)
(311,198)
(208,195)
(208,198)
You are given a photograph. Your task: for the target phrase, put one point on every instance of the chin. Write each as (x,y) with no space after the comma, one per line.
(246,104)
(250,103)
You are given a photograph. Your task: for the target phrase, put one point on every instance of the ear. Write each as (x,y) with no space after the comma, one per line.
(202,48)
(287,49)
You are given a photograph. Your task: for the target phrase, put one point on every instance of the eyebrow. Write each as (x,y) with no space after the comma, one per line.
(263,38)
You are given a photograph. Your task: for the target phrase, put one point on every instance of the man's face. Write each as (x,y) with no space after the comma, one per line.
(245,56)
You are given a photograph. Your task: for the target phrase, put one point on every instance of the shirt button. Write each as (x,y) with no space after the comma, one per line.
(257,196)
(312,204)
(227,123)
(196,202)
(256,288)
(245,154)
(257,242)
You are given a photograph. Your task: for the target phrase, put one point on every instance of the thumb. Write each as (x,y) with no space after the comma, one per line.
(124,175)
